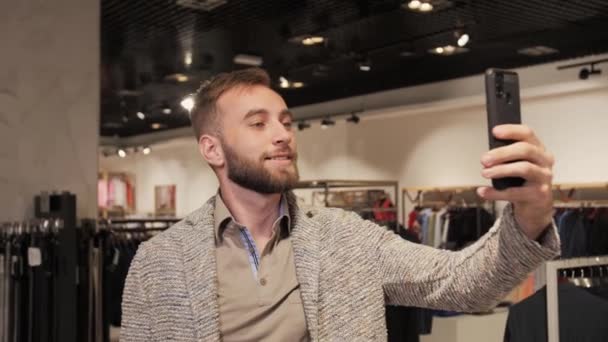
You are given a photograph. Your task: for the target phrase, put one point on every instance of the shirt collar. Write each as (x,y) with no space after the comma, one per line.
(222,217)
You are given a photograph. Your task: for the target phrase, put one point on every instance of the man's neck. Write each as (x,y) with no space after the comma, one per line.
(252,209)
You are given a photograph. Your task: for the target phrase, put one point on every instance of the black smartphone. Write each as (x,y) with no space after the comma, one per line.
(502,102)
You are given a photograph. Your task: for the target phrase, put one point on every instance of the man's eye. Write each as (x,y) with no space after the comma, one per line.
(287,124)
(258,124)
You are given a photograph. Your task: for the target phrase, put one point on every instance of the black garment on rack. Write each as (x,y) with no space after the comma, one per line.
(467,225)
(583,232)
(117,260)
(583,317)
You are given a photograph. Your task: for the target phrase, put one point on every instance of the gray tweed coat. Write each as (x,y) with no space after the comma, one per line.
(348,270)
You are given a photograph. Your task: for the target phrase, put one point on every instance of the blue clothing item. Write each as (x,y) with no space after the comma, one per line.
(424,217)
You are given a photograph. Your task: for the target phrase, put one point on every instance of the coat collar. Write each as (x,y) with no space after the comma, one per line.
(201,268)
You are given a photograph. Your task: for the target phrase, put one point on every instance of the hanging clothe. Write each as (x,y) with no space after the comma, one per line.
(582,317)
(582,231)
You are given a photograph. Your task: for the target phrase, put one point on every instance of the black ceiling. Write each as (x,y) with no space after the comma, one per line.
(144,41)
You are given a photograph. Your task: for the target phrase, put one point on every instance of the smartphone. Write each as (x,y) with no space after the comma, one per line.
(502,102)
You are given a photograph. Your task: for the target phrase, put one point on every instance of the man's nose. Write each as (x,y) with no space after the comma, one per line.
(282,135)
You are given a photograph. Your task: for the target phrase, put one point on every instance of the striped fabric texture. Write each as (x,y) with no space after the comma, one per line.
(348,270)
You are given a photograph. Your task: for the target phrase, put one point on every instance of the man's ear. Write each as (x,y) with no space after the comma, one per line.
(211,149)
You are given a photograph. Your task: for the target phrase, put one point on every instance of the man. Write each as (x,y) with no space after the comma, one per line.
(251,265)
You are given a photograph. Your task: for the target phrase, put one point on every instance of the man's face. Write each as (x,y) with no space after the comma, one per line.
(257,139)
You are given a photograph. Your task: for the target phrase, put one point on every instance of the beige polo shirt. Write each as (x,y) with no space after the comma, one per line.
(259,294)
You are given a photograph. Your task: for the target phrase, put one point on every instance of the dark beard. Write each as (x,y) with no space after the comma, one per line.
(252,176)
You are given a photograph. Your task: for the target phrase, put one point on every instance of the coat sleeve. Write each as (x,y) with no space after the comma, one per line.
(135,324)
(475,278)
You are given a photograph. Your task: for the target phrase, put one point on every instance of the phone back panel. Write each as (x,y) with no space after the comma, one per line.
(503,107)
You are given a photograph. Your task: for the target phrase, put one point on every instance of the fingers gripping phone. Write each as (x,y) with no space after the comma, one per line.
(503,107)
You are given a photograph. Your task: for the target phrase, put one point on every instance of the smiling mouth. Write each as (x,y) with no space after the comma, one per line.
(279,158)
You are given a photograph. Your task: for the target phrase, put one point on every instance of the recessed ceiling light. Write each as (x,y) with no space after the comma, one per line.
(308,39)
(414,4)
(146,150)
(426,7)
(181,78)
(536,51)
(297,84)
(448,50)
(141,115)
(122,153)
(249,60)
(156,125)
(313,40)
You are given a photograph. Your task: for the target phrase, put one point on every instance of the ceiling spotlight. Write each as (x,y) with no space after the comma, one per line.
(146,150)
(353,118)
(439,50)
(166,109)
(187,103)
(297,84)
(364,64)
(303,125)
(156,125)
(122,153)
(325,123)
(449,49)
(426,7)
(588,68)
(141,115)
(463,40)
(585,73)
(250,60)
(312,40)
(414,4)
(283,82)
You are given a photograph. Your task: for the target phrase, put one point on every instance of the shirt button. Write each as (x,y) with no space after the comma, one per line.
(263,281)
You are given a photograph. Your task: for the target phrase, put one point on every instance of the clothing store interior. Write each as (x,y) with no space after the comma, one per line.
(391,110)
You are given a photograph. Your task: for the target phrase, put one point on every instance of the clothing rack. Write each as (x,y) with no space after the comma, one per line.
(461,196)
(326,185)
(112,245)
(553,268)
(31,296)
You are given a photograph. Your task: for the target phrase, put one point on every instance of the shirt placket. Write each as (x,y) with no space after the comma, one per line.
(252,250)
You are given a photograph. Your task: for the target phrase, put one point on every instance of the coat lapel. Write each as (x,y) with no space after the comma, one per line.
(305,242)
(198,243)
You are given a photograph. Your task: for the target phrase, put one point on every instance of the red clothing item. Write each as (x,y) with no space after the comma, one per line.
(412,218)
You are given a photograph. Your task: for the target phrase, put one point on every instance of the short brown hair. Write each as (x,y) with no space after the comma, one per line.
(204,116)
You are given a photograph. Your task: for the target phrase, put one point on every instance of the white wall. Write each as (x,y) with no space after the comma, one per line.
(439,147)
(49,103)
